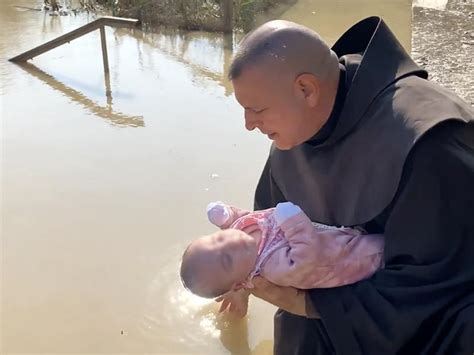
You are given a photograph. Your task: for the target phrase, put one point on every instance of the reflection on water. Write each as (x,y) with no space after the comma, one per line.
(96,212)
(207,55)
(170,312)
(106,112)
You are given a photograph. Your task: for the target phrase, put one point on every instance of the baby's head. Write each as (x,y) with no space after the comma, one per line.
(217,263)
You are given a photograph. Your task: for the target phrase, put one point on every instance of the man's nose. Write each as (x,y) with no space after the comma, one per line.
(250,125)
(250,122)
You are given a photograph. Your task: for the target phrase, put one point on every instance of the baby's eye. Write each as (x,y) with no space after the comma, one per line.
(226,261)
(291,262)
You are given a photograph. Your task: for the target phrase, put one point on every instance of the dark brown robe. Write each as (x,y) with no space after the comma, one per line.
(400,160)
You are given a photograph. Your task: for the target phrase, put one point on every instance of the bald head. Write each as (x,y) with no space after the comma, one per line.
(288,47)
(217,263)
(198,266)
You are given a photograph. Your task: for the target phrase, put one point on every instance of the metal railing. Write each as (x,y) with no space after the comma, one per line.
(99,24)
(81,31)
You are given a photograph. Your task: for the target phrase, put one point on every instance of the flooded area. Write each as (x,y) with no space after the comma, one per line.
(100,193)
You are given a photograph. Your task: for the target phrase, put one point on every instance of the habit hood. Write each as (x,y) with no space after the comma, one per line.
(400,160)
(353,175)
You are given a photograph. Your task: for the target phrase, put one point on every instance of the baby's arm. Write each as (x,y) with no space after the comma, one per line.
(324,256)
(222,215)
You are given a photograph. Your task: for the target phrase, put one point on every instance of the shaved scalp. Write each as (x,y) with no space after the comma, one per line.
(288,47)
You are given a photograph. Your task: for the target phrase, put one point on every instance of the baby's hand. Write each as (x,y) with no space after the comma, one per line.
(235,302)
(292,220)
(298,225)
(222,215)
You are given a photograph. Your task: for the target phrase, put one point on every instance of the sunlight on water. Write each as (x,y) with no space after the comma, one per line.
(169,309)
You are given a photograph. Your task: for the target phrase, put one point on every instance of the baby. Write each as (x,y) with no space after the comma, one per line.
(280,244)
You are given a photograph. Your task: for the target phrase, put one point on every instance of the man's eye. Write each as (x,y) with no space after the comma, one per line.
(288,251)
(255,110)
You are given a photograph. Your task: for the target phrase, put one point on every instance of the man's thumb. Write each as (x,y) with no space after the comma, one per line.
(258,282)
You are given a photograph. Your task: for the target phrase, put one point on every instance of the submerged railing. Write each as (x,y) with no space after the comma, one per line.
(99,24)
(81,31)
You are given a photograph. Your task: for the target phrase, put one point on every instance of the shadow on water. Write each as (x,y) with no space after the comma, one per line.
(106,112)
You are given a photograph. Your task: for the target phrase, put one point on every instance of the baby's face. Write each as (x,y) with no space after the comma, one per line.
(231,256)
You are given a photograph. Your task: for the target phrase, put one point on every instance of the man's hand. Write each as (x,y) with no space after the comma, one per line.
(235,302)
(290,299)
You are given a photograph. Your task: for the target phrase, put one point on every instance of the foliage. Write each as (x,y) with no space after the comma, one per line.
(190,14)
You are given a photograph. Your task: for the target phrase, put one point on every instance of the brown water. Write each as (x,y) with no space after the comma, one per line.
(101,194)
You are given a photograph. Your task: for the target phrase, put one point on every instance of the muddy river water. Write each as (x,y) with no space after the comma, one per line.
(101,193)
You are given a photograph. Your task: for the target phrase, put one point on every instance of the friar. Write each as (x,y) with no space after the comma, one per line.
(361,137)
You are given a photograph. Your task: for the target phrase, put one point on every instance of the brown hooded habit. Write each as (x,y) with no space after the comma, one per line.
(399,160)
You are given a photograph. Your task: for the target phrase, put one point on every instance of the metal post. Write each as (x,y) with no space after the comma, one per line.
(104,50)
(108,90)
(105,58)
(228,51)
(228,14)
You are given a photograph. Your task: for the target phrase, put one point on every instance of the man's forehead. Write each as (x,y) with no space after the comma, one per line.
(252,72)
(254,78)
(248,97)
(257,90)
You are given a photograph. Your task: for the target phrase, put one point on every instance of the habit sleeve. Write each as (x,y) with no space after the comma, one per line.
(423,300)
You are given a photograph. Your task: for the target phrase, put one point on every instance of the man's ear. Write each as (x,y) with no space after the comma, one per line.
(307,87)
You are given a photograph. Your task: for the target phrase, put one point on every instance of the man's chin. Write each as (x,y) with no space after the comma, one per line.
(283,145)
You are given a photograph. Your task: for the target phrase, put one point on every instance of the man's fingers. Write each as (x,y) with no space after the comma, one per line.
(241,312)
(261,284)
(288,298)
(225,303)
(237,311)
(267,290)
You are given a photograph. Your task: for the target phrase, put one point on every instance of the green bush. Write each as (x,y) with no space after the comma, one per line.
(190,14)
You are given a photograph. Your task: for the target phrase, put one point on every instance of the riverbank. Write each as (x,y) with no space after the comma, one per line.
(443,44)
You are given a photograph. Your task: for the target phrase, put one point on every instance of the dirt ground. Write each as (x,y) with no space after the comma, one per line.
(443,43)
